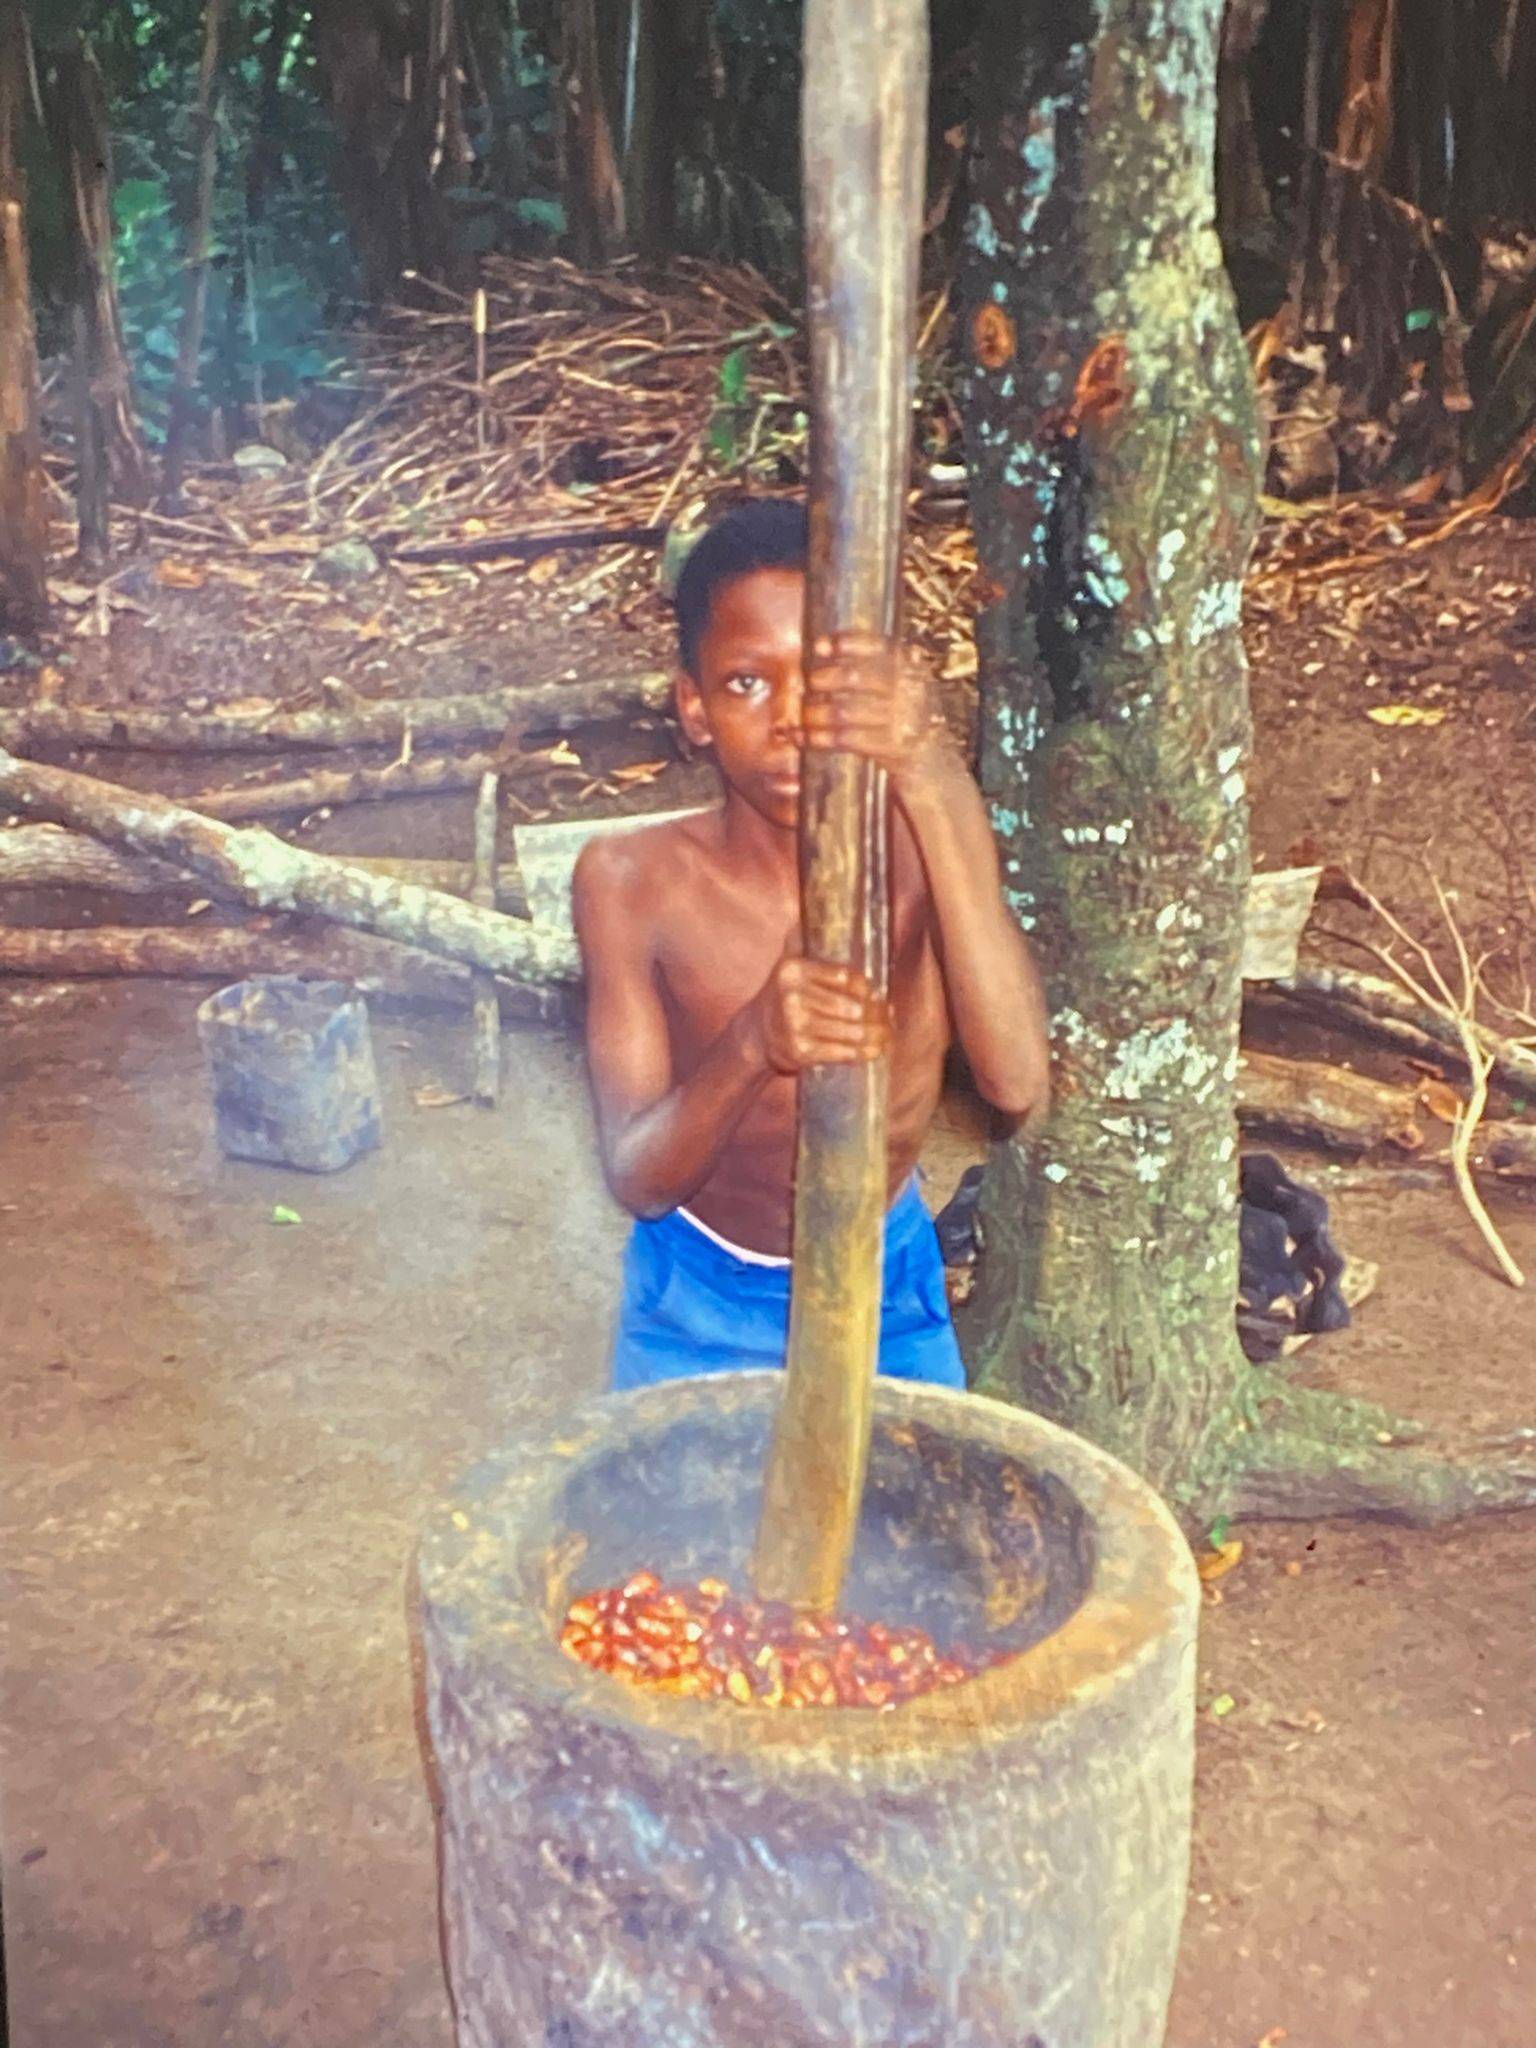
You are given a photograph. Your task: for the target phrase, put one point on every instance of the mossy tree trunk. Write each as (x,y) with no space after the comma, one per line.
(1115,457)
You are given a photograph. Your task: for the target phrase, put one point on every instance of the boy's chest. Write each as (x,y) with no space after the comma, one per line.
(716,954)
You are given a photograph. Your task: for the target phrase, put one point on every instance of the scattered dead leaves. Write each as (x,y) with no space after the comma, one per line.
(1215,1564)
(174,574)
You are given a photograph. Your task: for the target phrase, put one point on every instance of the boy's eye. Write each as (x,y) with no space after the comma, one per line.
(747,685)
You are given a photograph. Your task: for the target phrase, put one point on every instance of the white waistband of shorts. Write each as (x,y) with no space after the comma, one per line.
(737,1251)
(751,1258)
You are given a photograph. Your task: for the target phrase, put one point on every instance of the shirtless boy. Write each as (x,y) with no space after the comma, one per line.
(701,1012)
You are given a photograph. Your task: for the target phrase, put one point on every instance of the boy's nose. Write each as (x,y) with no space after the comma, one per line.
(788,701)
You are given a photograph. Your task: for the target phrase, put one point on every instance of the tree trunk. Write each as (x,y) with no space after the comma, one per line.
(264,871)
(199,242)
(23,486)
(1115,455)
(107,446)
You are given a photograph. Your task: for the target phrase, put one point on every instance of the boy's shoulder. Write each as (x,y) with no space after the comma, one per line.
(640,866)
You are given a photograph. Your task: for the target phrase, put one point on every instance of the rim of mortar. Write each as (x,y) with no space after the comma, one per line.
(491,1571)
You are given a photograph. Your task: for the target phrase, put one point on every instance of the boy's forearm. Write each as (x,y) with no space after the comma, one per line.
(665,1153)
(993,985)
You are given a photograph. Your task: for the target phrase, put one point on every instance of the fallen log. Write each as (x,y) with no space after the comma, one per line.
(544,540)
(1507,1150)
(1326,1106)
(1346,1112)
(521,708)
(50,857)
(1383,1010)
(332,788)
(266,872)
(288,945)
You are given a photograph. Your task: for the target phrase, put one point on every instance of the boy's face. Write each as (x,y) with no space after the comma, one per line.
(745,700)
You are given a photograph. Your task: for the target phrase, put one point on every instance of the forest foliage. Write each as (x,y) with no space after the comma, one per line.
(1376,189)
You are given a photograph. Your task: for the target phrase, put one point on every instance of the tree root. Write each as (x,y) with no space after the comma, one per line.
(1332,1418)
(1319,1454)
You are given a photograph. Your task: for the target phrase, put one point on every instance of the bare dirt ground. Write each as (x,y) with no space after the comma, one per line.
(221,1432)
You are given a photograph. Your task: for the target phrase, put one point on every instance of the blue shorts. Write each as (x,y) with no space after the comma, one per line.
(691,1305)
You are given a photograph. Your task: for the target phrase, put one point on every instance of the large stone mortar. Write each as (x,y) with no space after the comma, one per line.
(998,1865)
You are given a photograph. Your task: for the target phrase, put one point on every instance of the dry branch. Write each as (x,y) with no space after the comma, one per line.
(282,946)
(1386,1011)
(522,708)
(1428,985)
(266,872)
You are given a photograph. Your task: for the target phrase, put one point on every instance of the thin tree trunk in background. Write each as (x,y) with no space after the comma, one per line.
(594,188)
(1495,169)
(1364,135)
(1520,95)
(1311,182)
(450,155)
(265,150)
(199,240)
(649,126)
(1421,168)
(1242,196)
(1114,464)
(351,52)
(108,449)
(23,486)
(448,159)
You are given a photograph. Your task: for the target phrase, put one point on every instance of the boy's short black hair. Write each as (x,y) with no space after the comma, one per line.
(763,533)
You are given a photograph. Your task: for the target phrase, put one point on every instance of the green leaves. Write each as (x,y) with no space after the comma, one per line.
(282,1214)
(731,396)
(137,200)
(733,378)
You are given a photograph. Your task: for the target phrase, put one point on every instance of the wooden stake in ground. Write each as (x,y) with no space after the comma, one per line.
(866,65)
(487,1083)
(480,369)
